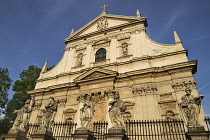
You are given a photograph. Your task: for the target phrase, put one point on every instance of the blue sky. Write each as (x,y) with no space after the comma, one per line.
(32,31)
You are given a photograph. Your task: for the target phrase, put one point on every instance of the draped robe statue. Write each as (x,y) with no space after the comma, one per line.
(87,112)
(116,111)
(48,115)
(191,108)
(23,116)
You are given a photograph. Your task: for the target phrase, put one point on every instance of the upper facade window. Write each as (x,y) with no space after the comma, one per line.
(100,55)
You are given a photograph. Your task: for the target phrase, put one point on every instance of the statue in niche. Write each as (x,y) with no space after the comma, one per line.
(124,47)
(23,115)
(87,112)
(191,107)
(48,115)
(79,59)
(116,111)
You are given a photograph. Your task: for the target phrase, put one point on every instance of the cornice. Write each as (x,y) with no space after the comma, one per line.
(145,72)
(120,63)
(174,68)
(53,87)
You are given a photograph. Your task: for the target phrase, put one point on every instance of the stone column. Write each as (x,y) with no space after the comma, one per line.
(83,133)
(197,133)
(116,134)
(42,135)
(15,135)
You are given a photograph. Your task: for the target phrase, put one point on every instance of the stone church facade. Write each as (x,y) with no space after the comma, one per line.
(114,53)
(150,77)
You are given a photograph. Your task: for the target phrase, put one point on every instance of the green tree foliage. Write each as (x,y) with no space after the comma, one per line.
(26,83)
(5,83)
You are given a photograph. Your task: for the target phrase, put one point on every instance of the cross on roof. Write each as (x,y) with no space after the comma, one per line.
(104,7)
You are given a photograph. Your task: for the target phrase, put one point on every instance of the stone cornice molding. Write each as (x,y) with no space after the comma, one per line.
(182,85)
(144,90)
(180,67)
(122,63)
(53,87)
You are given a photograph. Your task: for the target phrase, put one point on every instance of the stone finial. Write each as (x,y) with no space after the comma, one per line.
(104,12)
(44,69)
(138,13)
(176,37)
(72,31)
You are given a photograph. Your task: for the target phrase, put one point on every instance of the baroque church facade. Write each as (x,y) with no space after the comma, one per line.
(113,53)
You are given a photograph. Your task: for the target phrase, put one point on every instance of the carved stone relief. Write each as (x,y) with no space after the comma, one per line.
(123,36)
(81,47)
(184,84)
(152,89)
(102,23)
(69,114)
(79,59)
(124,49)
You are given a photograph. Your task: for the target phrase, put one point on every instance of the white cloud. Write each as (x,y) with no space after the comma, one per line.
(203,86)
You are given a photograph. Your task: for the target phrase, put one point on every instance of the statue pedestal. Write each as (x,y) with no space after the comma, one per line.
(116,134)
(197,133)
(83,133)
(42,135)
(15,135)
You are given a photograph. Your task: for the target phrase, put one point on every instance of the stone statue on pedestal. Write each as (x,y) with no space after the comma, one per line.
(116,111)
(23,116)
(191,107)
(87,112)
(48,115)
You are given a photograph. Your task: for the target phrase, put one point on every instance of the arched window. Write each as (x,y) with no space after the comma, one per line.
(100,55)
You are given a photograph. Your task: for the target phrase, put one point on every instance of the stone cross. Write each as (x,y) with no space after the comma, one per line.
(104,7)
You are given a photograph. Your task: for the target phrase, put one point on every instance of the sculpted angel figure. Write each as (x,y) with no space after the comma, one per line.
(49,114)
(116,111)
(23,115)
(191,107)
(87,112)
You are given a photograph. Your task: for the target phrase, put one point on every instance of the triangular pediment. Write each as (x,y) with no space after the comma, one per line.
(96,73)
(103,22)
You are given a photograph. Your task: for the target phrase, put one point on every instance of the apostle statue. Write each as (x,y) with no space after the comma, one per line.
(48,115)
(87,112)
(23,116)
(116,111)
(191,107)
